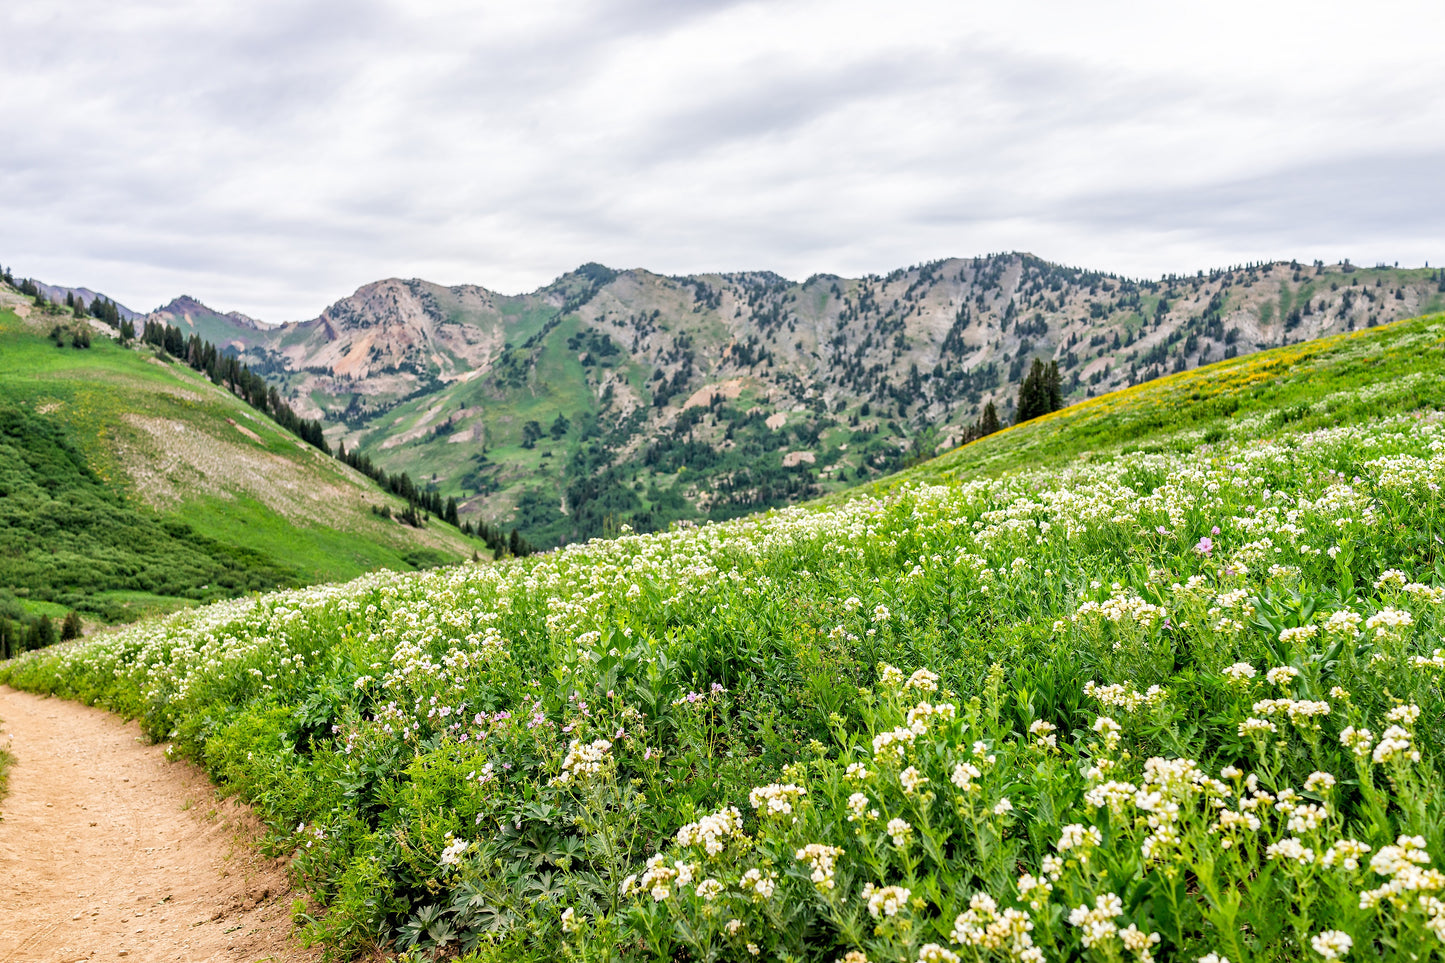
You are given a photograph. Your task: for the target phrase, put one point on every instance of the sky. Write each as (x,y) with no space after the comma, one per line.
(271,157)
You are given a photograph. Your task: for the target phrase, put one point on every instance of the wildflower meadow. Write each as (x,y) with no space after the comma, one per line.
(1182,704)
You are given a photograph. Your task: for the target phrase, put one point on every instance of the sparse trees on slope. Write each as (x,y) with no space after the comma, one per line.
(43,633)
(531,431)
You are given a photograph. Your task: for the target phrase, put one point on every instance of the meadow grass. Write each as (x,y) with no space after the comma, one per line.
(90,508)
(7,759)
(1178,699)
(1318,383)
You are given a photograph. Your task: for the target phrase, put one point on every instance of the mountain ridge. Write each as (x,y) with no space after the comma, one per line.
(654,398)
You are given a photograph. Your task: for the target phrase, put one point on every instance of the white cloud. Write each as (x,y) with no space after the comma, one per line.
(271,156)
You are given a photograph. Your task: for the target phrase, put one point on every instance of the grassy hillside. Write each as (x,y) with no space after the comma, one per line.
(1177,698)
(131,484)
(1335,380)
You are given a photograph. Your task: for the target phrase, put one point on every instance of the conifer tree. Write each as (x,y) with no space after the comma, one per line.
(44,633)
(1033,393)
(988,422)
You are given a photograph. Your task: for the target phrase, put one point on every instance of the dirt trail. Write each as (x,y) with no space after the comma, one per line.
(109,851)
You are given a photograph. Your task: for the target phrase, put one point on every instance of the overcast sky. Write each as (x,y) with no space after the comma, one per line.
(270,157)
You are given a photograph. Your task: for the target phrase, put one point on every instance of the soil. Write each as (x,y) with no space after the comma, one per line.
(110,851)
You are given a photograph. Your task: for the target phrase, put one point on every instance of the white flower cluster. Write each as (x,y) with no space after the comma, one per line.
(1240,673)
(759,884)
(1008,932)
(1300,712)
(1389,622)
(1405,863)
(823,861)
(858,808)
(658,878)
(1171,788)
(1332,944)
(1121,608)
(452,854)
(885,900)
(894,743)
(1097,922)
(713,832)
(921,716)
(922,680)
(584,761)
(776,799)
(912,780)
(1080,840)
(1123,695)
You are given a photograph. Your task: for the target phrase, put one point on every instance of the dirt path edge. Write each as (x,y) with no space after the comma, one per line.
(110,851)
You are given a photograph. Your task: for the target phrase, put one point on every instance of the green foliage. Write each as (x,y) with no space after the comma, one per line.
(695,745)
(74,535)
(1341,380)
(7,759)
(68,537)
(1040,393)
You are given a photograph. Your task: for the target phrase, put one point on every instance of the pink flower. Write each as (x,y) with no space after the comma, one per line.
(1206,545)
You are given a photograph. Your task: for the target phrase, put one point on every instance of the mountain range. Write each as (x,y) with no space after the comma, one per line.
(624,397)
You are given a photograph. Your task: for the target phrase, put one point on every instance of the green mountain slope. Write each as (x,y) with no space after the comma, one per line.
(1158,677)
(626,397)
(129,484)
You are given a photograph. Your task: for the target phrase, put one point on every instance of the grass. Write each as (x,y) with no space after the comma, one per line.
(1326,376)
(7,759)
(137,486)
(1145,679)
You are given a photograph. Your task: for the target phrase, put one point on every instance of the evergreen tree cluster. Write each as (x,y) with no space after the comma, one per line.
(78,337)
(100,307)
(20,632)
(421,502)
(1042,391)
(499,541)
(228,371)
(986,425)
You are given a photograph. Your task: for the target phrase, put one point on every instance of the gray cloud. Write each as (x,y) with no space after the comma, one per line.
(271,156)
(1331,200)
